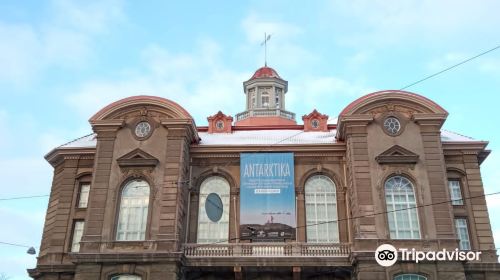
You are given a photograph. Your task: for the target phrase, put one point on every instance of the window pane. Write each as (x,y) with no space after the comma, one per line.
(462,233)
(77,236)
(455,192)
(213,230)
(84,196)
(133,214)
(321,210)
(402,216)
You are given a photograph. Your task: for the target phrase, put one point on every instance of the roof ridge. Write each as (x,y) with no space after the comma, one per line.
(76,139)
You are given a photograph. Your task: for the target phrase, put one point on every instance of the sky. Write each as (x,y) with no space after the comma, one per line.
(61,61)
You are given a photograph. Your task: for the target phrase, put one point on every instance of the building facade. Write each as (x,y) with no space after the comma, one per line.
(150,195)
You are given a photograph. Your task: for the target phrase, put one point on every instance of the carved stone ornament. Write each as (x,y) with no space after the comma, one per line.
(397,154)
(144,111)
(319,167)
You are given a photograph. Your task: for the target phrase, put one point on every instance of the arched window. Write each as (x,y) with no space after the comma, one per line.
(213,214)
(133,215)
(410,277)
(126,277)
(321,210)
(399,194)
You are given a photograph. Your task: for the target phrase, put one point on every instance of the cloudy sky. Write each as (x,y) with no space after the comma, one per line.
(61,61)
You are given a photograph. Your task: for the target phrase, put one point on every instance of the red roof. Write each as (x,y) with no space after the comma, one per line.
(265,72)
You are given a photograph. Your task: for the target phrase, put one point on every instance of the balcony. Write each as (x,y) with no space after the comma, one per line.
(269,253)
(265,113)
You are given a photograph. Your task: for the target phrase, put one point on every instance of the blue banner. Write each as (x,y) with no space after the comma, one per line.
(267,196)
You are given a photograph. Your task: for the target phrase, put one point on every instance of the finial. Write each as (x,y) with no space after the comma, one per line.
(266,38)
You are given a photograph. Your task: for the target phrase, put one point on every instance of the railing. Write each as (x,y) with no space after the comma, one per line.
(266,250)
(242,115)
(324,250)
(288,115)
(265,113)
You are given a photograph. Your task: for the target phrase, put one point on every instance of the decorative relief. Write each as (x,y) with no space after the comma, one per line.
(144,111)
(319,167)
(392,109)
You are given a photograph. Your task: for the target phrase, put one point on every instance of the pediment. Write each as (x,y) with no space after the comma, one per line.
(220,123)
(397,154)
(137,158)
(315,114)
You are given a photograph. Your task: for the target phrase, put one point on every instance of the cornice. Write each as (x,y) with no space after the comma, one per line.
(465,145)
(51,268)
(107,125)
(58,155)
(183,123)
(351,120)
(121,257)
(225,149)
(429,119)
(477,148)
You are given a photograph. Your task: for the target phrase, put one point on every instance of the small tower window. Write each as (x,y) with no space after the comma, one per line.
(251,94)
(277,97)
(265,99)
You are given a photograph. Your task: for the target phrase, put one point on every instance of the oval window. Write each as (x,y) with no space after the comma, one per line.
(213,207)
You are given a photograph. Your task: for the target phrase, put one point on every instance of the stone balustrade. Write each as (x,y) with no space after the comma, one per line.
(266,250)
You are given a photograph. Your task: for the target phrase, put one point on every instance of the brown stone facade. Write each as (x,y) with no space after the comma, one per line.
(173,161)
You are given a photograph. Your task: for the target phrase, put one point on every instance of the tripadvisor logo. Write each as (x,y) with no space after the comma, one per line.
(387,255)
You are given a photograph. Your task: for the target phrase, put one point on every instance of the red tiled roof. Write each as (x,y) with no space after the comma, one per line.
(265,72)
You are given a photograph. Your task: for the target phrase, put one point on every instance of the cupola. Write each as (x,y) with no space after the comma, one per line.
(265,100)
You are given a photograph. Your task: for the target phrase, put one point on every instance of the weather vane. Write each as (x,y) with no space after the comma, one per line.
(266,38)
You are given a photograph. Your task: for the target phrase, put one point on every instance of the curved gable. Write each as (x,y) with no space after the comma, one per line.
(412,101)
(120,108)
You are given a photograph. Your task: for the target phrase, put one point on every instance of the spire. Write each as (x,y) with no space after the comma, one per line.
(264,43)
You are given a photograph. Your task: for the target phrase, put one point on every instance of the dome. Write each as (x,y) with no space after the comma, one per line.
(265,72)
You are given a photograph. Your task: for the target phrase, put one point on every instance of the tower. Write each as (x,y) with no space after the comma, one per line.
(265,100)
